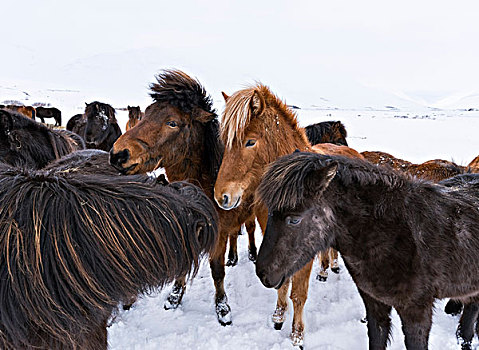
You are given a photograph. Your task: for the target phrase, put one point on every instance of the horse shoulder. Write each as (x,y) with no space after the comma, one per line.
(339,150)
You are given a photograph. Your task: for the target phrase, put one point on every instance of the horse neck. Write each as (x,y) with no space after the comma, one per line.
(193,171)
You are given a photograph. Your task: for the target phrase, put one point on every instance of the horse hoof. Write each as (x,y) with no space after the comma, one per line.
(232,261)
(453,307)
(223,312)
(466,345)
(278,325)
(127,307)
(364,319)
(174,299)
(252,255)
(335,269)
(321,278)
(297,338)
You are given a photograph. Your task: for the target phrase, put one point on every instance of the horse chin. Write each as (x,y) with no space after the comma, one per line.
(129,170)
(280,283)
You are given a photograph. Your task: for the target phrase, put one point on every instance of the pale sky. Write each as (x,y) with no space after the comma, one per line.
(304,50)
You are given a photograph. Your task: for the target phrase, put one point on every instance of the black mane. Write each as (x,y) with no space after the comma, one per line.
(283,184)
(178,89)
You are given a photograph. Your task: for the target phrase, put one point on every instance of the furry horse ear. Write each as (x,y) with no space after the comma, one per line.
(318,180)
(204,116)
(226,97)
(257,103)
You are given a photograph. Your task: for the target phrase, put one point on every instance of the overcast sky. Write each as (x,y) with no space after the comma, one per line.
(302,49)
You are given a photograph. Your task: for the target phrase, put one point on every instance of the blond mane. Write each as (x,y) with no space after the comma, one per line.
(238,113)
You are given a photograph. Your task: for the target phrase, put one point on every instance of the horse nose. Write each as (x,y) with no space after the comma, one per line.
(226,199)
(119,158)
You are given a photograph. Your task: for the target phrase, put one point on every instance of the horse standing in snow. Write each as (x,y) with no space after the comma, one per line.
(256,128)
(134,117)
(180,132)
(403,240)
(73,246)
(26,143)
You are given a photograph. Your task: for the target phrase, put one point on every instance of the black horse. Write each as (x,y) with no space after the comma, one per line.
(125,235)
(49,112)
(24,142)
(403,240)
(98,126)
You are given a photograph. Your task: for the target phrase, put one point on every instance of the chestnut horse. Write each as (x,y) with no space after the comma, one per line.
(180,132)
(403,240)
(257,128)
(327,132)
(134,116)
(27,111)
(434,170)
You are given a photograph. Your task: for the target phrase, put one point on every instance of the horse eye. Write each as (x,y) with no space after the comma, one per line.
(293,221)
(250,143)
(172,124)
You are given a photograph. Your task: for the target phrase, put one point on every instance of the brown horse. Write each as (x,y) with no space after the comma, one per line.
(27,111)
(49,112)
(403,240)
(327,132)
(180,132)
(76,245)
(257,128)
(433,170)
(134,116)
(474,165)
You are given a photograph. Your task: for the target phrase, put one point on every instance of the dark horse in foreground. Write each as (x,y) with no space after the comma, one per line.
(125,235)
(404,241)
(98,126)
(26,143)
(180,132)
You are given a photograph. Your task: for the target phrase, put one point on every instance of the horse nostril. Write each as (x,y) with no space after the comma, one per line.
(119,158)
(226,199)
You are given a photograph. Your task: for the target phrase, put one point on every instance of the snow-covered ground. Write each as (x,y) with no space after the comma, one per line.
(334,309)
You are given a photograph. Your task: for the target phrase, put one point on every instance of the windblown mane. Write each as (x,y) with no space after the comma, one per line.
(73,246)
(238,113)
(181,91)
(284,186)
(176,88)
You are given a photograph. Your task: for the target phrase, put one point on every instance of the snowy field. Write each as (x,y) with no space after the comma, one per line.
(333,311)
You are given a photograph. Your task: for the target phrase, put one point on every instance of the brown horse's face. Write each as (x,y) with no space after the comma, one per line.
(241,170)
(162,138)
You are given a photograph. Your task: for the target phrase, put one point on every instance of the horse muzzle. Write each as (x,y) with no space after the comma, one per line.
(228,201)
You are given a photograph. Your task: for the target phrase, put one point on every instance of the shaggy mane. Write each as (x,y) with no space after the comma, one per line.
(90,110)
(238,113)
(284,184)
(73,246)
(180,90)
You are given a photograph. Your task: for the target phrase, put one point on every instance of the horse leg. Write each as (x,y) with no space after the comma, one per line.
(378,321)
(323,258)
(281,305)
(217,265)
(299,294)
(333,260)
(416,324)
(176,295)
(453,307)
(233,251)
(252,251)
(465,329)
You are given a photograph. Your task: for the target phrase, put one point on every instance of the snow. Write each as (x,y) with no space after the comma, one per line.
(334,309)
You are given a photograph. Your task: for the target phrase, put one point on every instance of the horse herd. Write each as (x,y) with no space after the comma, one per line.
(83,229)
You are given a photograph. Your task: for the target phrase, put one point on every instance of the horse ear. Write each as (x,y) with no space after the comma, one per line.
(257,103)
(204,116)
(318,180)
(226,97)
(86,104)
